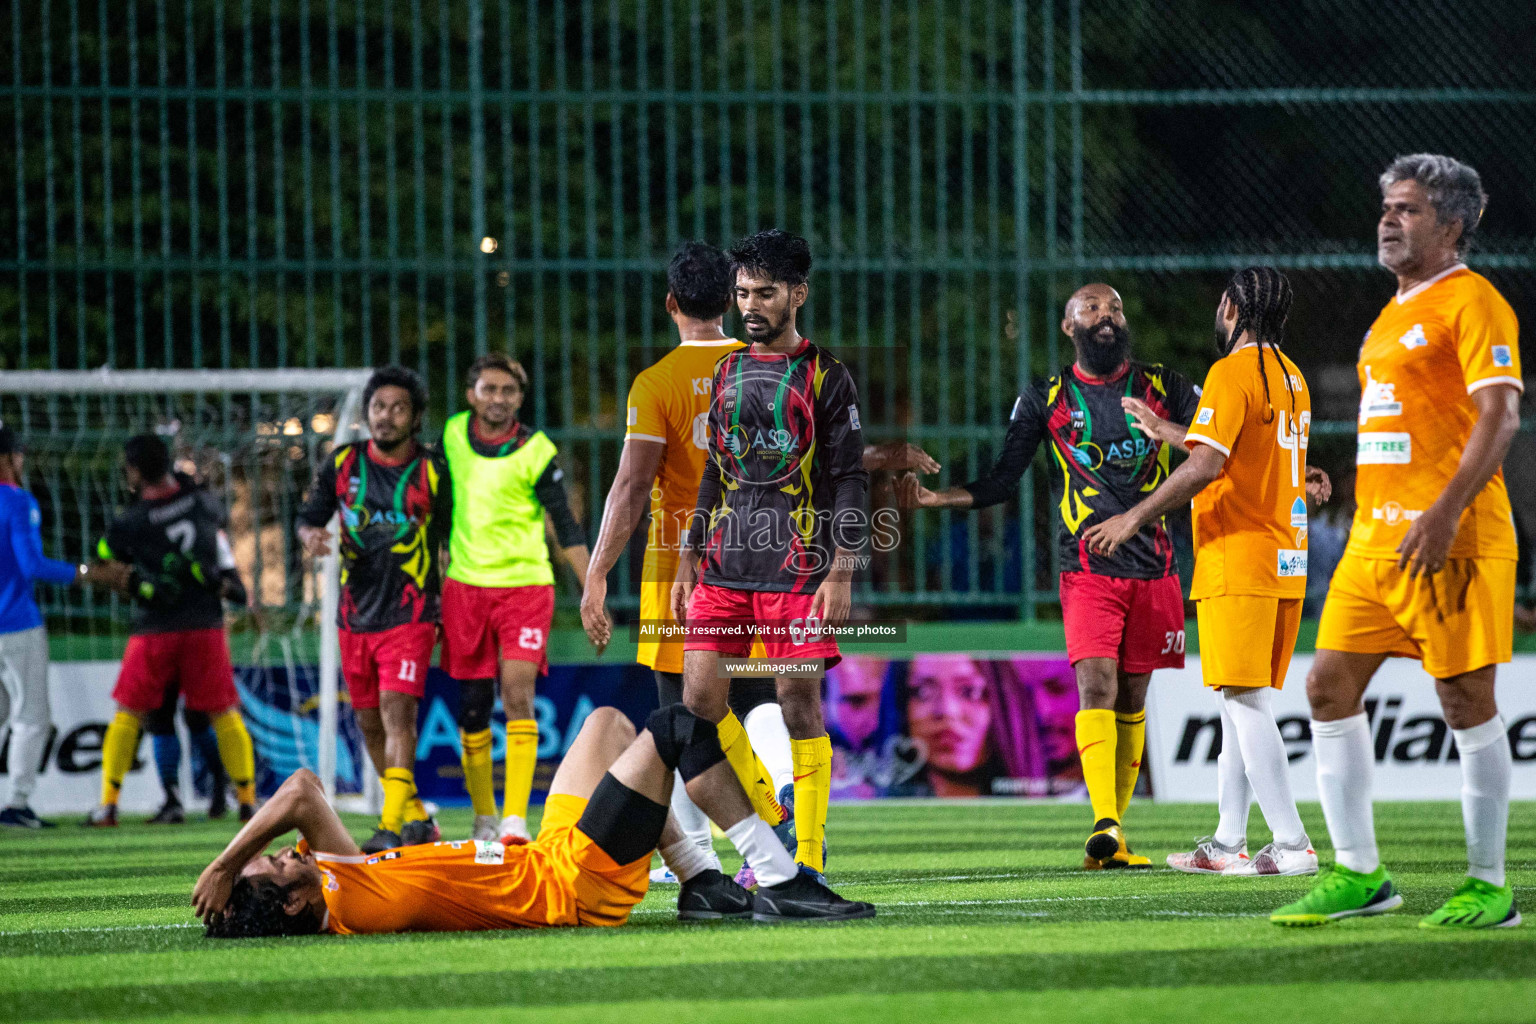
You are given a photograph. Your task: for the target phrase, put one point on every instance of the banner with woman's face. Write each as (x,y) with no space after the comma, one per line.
(952,725)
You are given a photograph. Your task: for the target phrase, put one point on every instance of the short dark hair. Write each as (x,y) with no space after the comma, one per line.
(778,254)
(699,278)
(397,377)
(148,454)
(255,909)
(496,361)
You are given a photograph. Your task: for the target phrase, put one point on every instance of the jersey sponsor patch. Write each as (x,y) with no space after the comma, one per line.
(1381,448)
(1414,337)
(490,851)
(1392,513)
(1290,562)
(1298,513)
(634,416)
(1501,356)
(853,417)
(1378,398)
(1204,417)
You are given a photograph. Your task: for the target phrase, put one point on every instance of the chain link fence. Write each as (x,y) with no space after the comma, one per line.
(328,183)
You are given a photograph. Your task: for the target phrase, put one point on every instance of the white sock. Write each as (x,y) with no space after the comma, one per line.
(1264,761)
(770,738)
(1233,795)
(1345,764)
(693,822)
(1486,765)
(755,839)
(27,743)
(686,859)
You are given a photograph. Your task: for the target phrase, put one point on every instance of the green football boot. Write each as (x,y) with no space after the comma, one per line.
(1341,893)
(1476,904)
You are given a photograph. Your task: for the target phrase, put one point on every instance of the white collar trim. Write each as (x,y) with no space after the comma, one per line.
(707,342)
(1403,297)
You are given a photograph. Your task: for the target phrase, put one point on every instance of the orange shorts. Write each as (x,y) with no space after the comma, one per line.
(1458,620)
(605,892)
(1247,641)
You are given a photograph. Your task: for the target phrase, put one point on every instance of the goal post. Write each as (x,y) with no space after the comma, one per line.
(254,436)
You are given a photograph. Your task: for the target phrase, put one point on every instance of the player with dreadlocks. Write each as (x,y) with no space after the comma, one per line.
(1250,485)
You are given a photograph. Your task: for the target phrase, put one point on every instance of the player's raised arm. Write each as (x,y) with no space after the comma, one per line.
(299,803)
(1025,429)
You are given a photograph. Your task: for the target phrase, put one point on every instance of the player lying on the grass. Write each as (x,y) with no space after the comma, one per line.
(607,810)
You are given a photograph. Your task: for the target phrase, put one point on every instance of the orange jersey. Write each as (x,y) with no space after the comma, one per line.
(1421,360)
(561,878)
(669,404)
(1251,522)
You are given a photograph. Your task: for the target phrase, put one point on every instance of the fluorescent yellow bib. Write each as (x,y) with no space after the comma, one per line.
(498,521)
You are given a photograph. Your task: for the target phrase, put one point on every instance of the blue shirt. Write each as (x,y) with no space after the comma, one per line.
(21,560)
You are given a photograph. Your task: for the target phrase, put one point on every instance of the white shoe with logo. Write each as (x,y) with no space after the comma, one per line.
(1209,857)
(1278,860)
(515,828)
(484,828)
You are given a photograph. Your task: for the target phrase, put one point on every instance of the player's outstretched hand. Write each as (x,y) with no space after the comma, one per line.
(898,456)
(1103,538)
(211,893)
(1151,423)
(594,616)
(1319,487)
(910,493)
(316,540)
(1428,542)
(112,575)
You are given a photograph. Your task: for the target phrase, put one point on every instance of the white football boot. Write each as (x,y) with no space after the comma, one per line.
(1279,860)
(484,828)
(1209,857)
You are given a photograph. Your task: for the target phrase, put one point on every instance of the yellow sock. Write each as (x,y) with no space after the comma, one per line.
(477,770)
(415,810)
(522,759)
(236,752)
(117,750)
(1096,748)
(749,771)
(399,789)
(813,788)
(1130,738)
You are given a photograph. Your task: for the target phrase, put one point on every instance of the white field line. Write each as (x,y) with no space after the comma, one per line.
(103,928)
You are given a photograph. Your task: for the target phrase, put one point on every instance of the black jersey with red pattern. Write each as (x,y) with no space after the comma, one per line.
(784,482)
(1104,463)
(394,518)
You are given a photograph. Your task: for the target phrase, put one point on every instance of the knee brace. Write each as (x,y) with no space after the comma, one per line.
(685,741)
(746,695)
(476,698)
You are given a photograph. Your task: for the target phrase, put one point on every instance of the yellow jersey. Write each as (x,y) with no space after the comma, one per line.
(669,404)
(1422,359)
(1250,523)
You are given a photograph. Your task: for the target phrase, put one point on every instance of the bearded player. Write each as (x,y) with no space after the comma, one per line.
(607,811)
(1124,615)
(395,503)
(1429,572)
(499,597)
(1249,481)
(779,522)
(172,557)
(665,444)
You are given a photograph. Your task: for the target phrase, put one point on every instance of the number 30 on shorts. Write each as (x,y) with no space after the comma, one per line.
(1173,642)
(531,638)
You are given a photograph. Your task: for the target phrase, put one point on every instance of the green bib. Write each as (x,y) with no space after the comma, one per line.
(498,521)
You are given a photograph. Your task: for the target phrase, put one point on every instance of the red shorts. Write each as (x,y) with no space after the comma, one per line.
(482,625)
(395,659)
(725,620)
(197,660)
(1139,623)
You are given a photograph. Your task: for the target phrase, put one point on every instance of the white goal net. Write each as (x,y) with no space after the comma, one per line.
(252,437)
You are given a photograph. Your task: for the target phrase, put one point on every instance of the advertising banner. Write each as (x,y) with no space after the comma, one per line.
(1416,755)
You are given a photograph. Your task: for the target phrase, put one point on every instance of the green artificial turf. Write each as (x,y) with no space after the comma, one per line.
(984,916)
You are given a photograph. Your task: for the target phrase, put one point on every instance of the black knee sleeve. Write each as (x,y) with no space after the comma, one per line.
(669,687)
(685,741)
(476,698)
(625,825)
(745,695)
(196,721)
